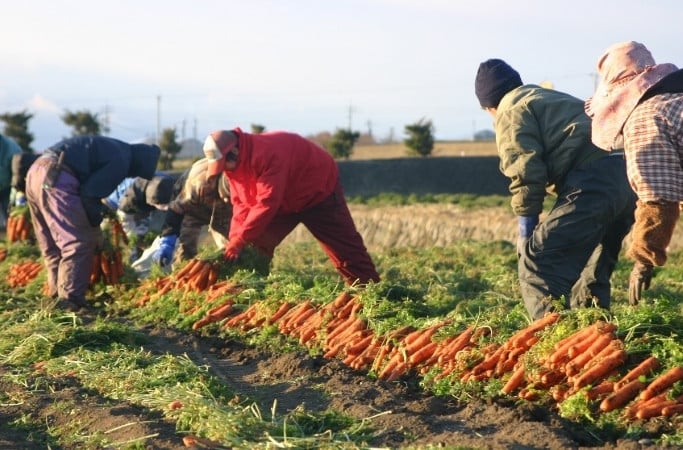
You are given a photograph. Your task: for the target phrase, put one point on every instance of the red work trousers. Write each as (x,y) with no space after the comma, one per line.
(331,224)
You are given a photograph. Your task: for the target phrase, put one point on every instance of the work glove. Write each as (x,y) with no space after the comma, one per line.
(164,254)
(232,251)
(525,228)
(20,199)
(638,281)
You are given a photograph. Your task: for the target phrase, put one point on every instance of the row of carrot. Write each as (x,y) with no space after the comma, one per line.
(21,274)
(591,362)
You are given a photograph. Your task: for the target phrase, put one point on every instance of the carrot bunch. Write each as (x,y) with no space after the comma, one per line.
(21,274)
(3,254)
(19,226)
(196,275)
(107,267)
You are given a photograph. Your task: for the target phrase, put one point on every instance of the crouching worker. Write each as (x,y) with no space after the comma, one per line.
(64,192)
(195,205)
(278,180)
(544,143)
(140,205)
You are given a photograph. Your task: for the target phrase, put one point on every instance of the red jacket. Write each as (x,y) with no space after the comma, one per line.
(277,173)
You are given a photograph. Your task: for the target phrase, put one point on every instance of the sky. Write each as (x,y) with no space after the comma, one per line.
(306,66)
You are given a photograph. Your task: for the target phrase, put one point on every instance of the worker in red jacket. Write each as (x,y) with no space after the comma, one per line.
(278,180)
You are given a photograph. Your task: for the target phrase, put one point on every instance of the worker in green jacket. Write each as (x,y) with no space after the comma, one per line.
(543,138)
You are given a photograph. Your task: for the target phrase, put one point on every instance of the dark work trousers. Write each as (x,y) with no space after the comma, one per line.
(331,224)
(573,252)
(66,239)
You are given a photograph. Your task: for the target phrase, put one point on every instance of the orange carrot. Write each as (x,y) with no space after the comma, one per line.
(489,362)
(422,354)
(672,410)
(359,346)
(644,368)
(189,266)
(552,377)
(655,409)
(222,311)
(600,391)
(620,397)
(384,350)
(341,300)
(600,369)
(561,347)
(662,382)
(525,334)
(515,381)
(577,362)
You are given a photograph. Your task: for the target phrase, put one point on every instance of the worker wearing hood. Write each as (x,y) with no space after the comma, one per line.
(64,191)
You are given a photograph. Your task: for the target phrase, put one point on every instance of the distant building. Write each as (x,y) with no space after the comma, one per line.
(190,149)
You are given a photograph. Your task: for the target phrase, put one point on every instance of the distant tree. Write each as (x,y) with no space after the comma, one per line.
(342,142)
(485,135)
(420,140)
(321,138)
(82,122)
(257,129)
(16,127)
(169,148)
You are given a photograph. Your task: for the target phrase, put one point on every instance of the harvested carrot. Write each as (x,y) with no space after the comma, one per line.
(644,368)
(662,382)
(360,345)
(623,395)
(561,348)
(600,369)
(515,381)
(655,409)
(522,337)
(282,309)
(588,352)
(600,391)
(422,354)
(672,410)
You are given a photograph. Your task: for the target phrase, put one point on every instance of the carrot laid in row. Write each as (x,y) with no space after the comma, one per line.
(662,382)
(622,396)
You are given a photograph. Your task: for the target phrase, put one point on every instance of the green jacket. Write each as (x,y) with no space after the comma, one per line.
(8,148)
(541,135)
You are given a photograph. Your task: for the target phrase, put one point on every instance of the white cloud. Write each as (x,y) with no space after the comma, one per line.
(39,103)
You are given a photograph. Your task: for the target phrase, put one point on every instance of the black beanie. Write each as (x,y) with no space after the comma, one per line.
(495,78)
(159,190)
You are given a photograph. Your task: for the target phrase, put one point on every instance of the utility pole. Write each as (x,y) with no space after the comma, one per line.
(158,139)
(350,115)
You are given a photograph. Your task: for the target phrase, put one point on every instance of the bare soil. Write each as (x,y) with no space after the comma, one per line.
(402,413)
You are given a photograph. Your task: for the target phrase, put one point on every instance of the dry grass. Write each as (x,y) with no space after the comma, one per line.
(441,148)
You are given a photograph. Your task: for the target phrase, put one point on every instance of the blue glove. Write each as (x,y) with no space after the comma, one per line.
(526,225)
(164,255)
(20,199)
(525,228)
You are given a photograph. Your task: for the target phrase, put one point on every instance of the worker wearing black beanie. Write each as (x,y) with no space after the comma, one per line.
(495,78)
(544,144)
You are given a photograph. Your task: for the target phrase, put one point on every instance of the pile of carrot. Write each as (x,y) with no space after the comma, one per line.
(591,361)
(196,275)
(19,226)
(21,274)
